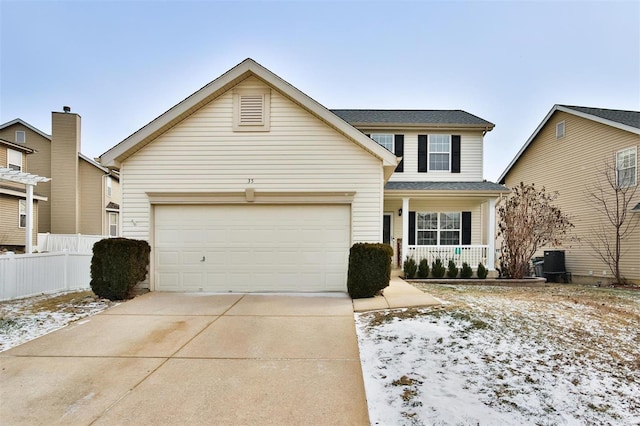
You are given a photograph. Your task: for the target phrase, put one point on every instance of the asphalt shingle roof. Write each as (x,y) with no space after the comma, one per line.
(446,186)
(400,116)
(629,118)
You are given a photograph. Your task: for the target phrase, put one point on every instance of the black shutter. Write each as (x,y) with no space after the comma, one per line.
(466,228)
(399,151)
(412,228)
(455,154)
(422,153)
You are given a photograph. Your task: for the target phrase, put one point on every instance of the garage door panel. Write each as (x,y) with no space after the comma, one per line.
(252,248)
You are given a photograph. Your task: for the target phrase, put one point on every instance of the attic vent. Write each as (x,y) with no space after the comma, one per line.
(251,110)
(560,130)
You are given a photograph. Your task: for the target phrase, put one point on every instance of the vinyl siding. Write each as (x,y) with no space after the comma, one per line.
(299,153)
(65,195)
(470,162)
(10,233)
(39,163)
(571,165)
(91,209)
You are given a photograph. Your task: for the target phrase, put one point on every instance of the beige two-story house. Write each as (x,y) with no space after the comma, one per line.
(83,196)
(568,153)
(13,198)
(268,189)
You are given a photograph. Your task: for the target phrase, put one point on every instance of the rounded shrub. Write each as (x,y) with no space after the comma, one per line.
(482,271)
(369,269)
(452,270)
(466,271)
(410,268)
(437,269)
(117,265)
(423,269)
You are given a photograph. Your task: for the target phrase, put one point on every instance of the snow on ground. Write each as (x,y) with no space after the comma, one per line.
(26,319)
(556,355)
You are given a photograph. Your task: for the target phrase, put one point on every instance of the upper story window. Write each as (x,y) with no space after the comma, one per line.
(438,228)
(14,159)
(560,128)
(439,152)
(21,136)
(251,110)
(22,213)
(384,140)
(627,167)
(109,186)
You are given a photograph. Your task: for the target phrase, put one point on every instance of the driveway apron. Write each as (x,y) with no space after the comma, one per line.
(198,359)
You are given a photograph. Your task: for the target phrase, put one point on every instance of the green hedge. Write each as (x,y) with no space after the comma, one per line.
(369,269)
(117,265)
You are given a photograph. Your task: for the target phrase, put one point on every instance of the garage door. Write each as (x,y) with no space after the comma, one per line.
(256,248)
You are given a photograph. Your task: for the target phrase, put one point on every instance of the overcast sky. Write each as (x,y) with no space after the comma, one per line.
(120,64)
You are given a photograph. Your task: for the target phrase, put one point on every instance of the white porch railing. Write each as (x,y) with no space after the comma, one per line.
(24,275)
(76,243)
(472,255)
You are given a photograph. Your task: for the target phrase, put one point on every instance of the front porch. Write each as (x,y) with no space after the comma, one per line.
(446,220)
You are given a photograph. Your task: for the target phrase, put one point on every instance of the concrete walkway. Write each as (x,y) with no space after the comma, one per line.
(399,294)
(176,359)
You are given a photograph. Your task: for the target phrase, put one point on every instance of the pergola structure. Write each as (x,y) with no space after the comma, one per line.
(29,181)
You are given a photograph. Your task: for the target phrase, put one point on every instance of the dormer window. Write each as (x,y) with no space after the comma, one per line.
(21,136)
(251,110)
(14,160)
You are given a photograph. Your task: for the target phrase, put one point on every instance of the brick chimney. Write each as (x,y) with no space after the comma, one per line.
(65,191)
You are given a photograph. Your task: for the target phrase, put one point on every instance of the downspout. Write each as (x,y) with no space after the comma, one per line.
(104,206)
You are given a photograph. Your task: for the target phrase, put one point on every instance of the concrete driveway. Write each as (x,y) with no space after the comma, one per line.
(176,359)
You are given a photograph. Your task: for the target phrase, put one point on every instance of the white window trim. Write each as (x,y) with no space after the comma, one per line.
(393,140)
(112,214)
(24,136)
(429,152)
(15,154)
(22,211)
(562,125)
(439,229)
(265,124)
(634,150)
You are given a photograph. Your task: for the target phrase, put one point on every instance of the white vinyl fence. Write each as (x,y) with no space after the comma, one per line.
(24,275)
(77,243)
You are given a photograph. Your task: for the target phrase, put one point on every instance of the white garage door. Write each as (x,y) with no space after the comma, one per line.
(254,248)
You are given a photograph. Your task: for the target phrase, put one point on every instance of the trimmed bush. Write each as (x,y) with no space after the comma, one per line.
(437,269)
(409,267)
(466,271)
(117,265)
(452,270)
(482,271)
(423,269)
(369,269)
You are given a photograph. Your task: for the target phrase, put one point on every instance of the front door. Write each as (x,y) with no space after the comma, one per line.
(386,228)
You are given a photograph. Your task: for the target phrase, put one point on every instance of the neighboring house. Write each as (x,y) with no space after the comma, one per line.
(251,185)
(84,197)
(567,153)
(13,198)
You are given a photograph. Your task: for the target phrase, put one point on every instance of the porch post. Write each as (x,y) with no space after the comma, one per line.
(28,240)
(405,230)
(491,255)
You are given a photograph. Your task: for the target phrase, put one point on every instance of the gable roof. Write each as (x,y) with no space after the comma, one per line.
(25,124)
(222,84)
(620,119)
(412,118)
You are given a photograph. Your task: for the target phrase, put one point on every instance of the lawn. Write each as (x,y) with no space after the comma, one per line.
(25,319)
(557,354)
